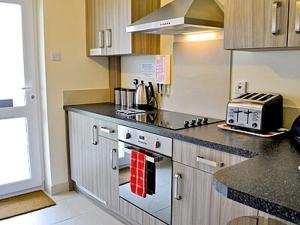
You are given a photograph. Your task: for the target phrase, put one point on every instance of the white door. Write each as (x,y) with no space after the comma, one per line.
(20,158)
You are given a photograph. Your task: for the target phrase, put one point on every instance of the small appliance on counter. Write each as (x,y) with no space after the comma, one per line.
(295,133)
(257,112)
(145,97)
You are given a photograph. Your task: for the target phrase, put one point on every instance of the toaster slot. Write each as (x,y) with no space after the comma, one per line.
(258,96)
(243,96)
(250,96)
(266,98)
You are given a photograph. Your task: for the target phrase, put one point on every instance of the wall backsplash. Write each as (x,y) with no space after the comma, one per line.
(200,82)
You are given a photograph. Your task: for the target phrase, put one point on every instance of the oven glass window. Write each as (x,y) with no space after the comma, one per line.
(157,201)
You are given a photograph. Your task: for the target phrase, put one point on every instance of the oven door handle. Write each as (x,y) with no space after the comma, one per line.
(148,158)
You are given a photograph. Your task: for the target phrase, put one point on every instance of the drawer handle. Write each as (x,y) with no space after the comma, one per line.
(297,17)
(177,186)
(95,135)
(210,162)
(107,130)
(275,14)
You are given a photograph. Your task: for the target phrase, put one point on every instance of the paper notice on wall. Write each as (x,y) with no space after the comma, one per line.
(148,70)
(162,64)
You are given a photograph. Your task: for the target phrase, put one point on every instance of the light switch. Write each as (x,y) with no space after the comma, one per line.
(240,87)
(56,56)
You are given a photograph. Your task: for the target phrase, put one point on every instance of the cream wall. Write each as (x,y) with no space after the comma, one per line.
(64,30)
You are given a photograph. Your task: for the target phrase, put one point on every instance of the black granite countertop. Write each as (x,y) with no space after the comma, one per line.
(268,181)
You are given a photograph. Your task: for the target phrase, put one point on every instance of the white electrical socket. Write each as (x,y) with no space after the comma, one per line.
(240,87)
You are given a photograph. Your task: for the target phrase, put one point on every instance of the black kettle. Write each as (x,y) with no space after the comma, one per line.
(295,133)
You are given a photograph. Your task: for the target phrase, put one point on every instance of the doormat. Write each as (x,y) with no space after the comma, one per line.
(23,204)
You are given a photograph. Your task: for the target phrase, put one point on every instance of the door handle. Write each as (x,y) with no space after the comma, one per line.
(113,153)
(108,37)
(101,39)
(95,135)
(209,162)
(275,17)
(297,17)
(107,130)
(177,186)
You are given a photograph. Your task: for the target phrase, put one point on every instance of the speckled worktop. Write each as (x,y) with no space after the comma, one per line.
(268,181)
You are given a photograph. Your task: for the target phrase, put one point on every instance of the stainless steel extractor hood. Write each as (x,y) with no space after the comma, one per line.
(181,16)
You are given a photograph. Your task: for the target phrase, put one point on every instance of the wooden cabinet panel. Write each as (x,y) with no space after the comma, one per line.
(106,27)
(120,17)
(196,190)
(95,27)
(248,24)
(294,37)
(92,163)
(187,154)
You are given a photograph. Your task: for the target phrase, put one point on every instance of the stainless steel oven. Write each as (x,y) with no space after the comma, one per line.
(158,158)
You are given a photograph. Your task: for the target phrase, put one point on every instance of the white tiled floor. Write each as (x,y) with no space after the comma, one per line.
(71,209)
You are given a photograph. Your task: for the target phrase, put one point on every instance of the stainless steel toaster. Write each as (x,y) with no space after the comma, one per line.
(256,111)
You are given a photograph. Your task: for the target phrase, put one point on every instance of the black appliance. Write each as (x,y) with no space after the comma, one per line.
(167,119)
(295,132)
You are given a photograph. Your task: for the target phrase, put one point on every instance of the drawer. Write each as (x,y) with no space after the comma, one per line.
(200,157)
(136,215)
(108,130)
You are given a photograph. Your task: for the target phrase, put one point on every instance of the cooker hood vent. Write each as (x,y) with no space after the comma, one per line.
(181,16)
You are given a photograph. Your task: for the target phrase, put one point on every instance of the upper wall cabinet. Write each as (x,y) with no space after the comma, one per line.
(258,24)
(106,27)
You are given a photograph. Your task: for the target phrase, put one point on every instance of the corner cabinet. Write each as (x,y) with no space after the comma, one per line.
(106,22)
(195,199)
(261,24)
(93,160)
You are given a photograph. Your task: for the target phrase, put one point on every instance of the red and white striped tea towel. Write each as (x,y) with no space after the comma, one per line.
(138,176)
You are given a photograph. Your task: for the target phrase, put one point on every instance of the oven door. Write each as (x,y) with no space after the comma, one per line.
(158,198)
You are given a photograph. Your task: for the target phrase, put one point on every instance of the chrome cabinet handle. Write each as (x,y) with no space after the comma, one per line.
(107,130)
(275,17)
(177,186)
(95,135)
(209,162)
(113,153)
(297,17)
(101,39)
(108,37)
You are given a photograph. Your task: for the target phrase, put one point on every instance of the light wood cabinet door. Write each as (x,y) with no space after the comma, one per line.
(107,172)
(294,24)
(82,149)
(118,41)
(95,27)
(255,24)
(195,196)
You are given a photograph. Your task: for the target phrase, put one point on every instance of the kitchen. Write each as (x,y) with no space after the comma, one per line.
(216,176)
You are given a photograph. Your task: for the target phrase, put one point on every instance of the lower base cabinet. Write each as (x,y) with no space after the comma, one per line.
(92,160)
(198,202)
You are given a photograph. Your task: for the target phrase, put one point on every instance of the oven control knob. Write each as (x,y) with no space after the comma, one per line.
(157,144)
(193,123)
(254,125)
(186,124)
(205,121)
(128,135)
(199,122)
(231,121)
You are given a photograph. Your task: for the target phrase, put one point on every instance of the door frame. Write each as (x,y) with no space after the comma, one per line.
(32,66)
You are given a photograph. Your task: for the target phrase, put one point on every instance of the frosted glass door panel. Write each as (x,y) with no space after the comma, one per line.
(12,79)
(14,152)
